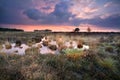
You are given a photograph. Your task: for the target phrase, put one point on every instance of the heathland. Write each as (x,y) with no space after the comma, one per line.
(100,62)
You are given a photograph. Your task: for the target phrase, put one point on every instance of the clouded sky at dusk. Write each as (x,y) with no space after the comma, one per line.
(97,14)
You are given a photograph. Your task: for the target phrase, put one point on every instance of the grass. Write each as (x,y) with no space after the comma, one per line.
(101,62)
(58,67)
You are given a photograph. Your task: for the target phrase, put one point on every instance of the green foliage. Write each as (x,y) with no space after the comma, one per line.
(108,63)
(73,51)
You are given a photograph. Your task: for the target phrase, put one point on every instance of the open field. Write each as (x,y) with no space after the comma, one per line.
(100,62)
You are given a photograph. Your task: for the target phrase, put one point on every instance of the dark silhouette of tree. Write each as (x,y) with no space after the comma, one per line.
(76,30)
(8,29)
(89,29)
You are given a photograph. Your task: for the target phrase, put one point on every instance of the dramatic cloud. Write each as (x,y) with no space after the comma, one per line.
(34,14)
(84,9)
(61,14)
(46,6)
(11,11)
(103,13)
(112,22)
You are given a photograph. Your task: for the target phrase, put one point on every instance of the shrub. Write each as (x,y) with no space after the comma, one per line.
(109,49)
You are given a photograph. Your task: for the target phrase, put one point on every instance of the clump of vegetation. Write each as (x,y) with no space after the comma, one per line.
(108,63)
(109,49)
(99,63)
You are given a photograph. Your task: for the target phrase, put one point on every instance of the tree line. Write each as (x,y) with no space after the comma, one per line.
(8,29)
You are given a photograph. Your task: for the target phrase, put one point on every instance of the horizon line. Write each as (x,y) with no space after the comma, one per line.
(55,28)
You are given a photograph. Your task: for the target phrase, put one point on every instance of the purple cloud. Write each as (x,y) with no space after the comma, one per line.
(62,12)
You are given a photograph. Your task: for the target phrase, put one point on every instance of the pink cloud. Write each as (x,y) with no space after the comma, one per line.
(84,9)
(108,4)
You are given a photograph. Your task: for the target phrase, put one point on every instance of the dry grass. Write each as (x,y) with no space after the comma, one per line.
(95,64)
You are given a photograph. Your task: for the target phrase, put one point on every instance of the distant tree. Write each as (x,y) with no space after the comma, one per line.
(48,30)
(8,29)
(89,29)
(76,30)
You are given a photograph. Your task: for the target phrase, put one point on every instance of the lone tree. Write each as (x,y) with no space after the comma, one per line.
(76,30)
(89,29)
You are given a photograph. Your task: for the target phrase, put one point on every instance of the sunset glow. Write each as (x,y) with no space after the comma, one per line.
(61,15)
(83,28)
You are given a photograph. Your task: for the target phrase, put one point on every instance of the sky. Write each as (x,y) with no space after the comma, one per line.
(60,15)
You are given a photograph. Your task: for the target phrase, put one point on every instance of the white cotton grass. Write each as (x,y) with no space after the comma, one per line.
(21,48)
(82,46)
(7,48)
(46,46)
(86,47)
(53,49)
(45,50)
(20,51)
(13,48)
(71,44)
(53,42)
